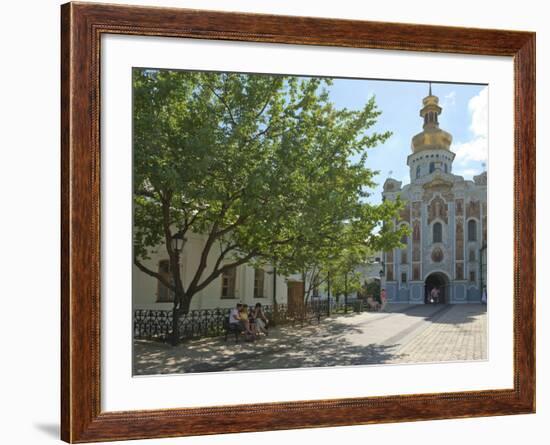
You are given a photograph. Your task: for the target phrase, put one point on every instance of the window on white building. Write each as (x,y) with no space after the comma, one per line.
(228,282)
(259,276)
(164,294)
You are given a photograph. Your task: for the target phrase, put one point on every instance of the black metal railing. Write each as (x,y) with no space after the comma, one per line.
(157,323)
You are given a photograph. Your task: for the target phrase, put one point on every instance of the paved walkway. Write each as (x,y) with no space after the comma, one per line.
(400,334)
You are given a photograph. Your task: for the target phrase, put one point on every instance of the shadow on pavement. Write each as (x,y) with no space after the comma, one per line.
(311,346)
(467,313)
(328,344)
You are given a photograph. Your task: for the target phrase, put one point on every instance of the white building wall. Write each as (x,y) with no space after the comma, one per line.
(145,287)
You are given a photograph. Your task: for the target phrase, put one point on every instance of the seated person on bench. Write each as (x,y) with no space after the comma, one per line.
(245,320)
(260,320)
(235,323)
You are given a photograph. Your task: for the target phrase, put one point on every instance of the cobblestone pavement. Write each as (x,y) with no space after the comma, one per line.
(400,334)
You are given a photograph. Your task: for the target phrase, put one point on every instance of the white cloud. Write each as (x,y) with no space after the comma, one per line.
(449,99)
(476,149)
(473,150)
(478,111)
(468,173)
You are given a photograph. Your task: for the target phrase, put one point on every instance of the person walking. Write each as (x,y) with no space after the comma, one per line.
(383,299)
(434,295)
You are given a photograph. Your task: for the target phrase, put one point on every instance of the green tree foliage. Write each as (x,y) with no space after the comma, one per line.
(344,277)
(373,288)
(264,166)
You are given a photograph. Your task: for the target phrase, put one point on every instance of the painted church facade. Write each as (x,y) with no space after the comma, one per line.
(447,217)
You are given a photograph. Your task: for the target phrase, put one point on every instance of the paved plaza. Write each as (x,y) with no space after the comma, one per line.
(400,334)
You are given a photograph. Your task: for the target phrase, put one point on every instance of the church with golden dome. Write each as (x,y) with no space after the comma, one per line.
(444,258)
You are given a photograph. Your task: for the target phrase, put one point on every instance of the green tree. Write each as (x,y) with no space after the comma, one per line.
(265,167)
(373,288)
(345,279)
(324,259)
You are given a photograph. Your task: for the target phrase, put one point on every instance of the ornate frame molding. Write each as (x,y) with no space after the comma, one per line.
(81,28)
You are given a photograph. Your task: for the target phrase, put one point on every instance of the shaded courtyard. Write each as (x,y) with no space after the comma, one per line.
(400,334)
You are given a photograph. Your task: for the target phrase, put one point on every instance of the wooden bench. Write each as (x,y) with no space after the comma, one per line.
(236,329)
(232,328)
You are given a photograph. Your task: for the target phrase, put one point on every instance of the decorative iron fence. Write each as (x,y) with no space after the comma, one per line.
(151,323)
(157,323)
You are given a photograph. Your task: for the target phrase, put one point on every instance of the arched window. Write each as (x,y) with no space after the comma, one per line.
(404,250)
(445,168)
(417,171)
(437,233)
(432,167)
(472,230)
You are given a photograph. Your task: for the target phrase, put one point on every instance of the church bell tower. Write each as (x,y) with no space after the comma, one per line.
(431,152)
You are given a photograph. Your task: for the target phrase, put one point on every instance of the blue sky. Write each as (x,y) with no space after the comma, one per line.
(464,115)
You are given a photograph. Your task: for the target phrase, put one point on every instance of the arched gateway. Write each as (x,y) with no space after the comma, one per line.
(440,281)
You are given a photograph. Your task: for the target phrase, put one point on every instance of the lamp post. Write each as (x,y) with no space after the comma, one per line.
(275,312)
(177,242)
(382,276)
(382,272)
(274,288)
(328,293)
(346,293)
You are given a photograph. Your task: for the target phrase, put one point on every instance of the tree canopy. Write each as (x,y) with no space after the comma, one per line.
(264,166)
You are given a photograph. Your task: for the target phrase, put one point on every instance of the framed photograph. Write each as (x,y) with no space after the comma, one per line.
(274,222)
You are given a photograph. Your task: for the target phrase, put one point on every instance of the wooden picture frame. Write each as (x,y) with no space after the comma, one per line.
(82,26)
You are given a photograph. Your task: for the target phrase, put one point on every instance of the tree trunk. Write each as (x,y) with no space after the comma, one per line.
(175,336)
(182,304)
(346,293)
(328,293)
(306,291)
(274,288)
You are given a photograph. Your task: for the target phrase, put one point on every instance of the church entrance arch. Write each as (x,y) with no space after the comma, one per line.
(440,282)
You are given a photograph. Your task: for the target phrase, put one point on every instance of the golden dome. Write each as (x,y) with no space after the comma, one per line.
(432,137)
